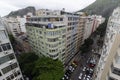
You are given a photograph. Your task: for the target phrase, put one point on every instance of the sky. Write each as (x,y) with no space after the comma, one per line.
(6,6)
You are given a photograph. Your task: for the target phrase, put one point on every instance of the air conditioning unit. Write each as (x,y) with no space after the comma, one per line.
(5,52)
(14,71)
(10,62)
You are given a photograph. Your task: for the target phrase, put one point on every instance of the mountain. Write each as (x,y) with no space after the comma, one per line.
(102,7)
(22,12)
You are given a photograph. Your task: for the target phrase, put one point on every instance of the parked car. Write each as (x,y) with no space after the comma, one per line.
(80,76)
(84,78)
(68,73)
(87,78)
(75,63)
(84,68)
(65,77)
(71,68)
(92,63)
(88,60)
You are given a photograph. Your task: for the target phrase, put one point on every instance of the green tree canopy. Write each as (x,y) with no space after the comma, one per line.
(84,48)
(12,39)
(101,30)
(42,68)
(88,41)
(48,69)
(27,63)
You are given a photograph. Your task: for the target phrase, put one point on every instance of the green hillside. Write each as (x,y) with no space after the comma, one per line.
(102,7)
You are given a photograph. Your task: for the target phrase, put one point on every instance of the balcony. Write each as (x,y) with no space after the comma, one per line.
(115,64)
(114,75)
(56,23)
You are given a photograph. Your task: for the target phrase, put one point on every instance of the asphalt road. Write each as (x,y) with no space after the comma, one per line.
(82,60)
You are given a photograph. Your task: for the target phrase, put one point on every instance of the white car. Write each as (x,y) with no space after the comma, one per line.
(84,68)
(71,68)
(80,76)
(84,78)
(87,78)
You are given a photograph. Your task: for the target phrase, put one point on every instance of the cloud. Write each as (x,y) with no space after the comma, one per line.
(7,6)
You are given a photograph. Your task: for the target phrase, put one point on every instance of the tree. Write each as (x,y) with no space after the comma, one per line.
(42,68)
(12,39)
(27,63)
(48,69)
(84,48)
(102,29)
(88,42)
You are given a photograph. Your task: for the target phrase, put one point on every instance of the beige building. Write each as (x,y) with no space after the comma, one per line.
(56,34)
(109,64)
(12,26)
(91,24)
(16,26)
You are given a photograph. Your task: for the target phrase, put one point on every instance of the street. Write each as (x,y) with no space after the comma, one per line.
(82,61)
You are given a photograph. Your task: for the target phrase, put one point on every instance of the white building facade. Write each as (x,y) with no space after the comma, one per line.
(91,24)
(9,68)
(109,64)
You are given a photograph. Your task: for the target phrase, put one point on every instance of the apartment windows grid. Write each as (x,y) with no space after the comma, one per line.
(6,58)
(6,46)
(15,74)
(110,78)
(9,68)
(116,71)
(55,37)
(3,35)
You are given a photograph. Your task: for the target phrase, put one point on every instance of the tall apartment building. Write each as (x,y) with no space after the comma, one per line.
(55,34)
(109,64)
(16,26)
(91,24)
(12,26)
(9,68)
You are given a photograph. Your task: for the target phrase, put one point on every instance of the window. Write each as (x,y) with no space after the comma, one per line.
(53,56)
(3,35)
(110,78)
(61,19)
(6,46)
(9,68)
(40,32)
(21,79)
(15,74)
(12,76)
(115,70)
(18,72)
(0,74)
(8,78)
(63,36)
(52,39)
(53,50)
(0,49)
(6,58)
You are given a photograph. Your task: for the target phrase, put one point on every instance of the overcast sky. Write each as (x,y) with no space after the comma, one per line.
(6,6)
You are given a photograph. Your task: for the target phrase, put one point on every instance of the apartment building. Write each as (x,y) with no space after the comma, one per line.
(9,68)
(109,64)
(91,24)
(16,25)
(12,26)
(56,34)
